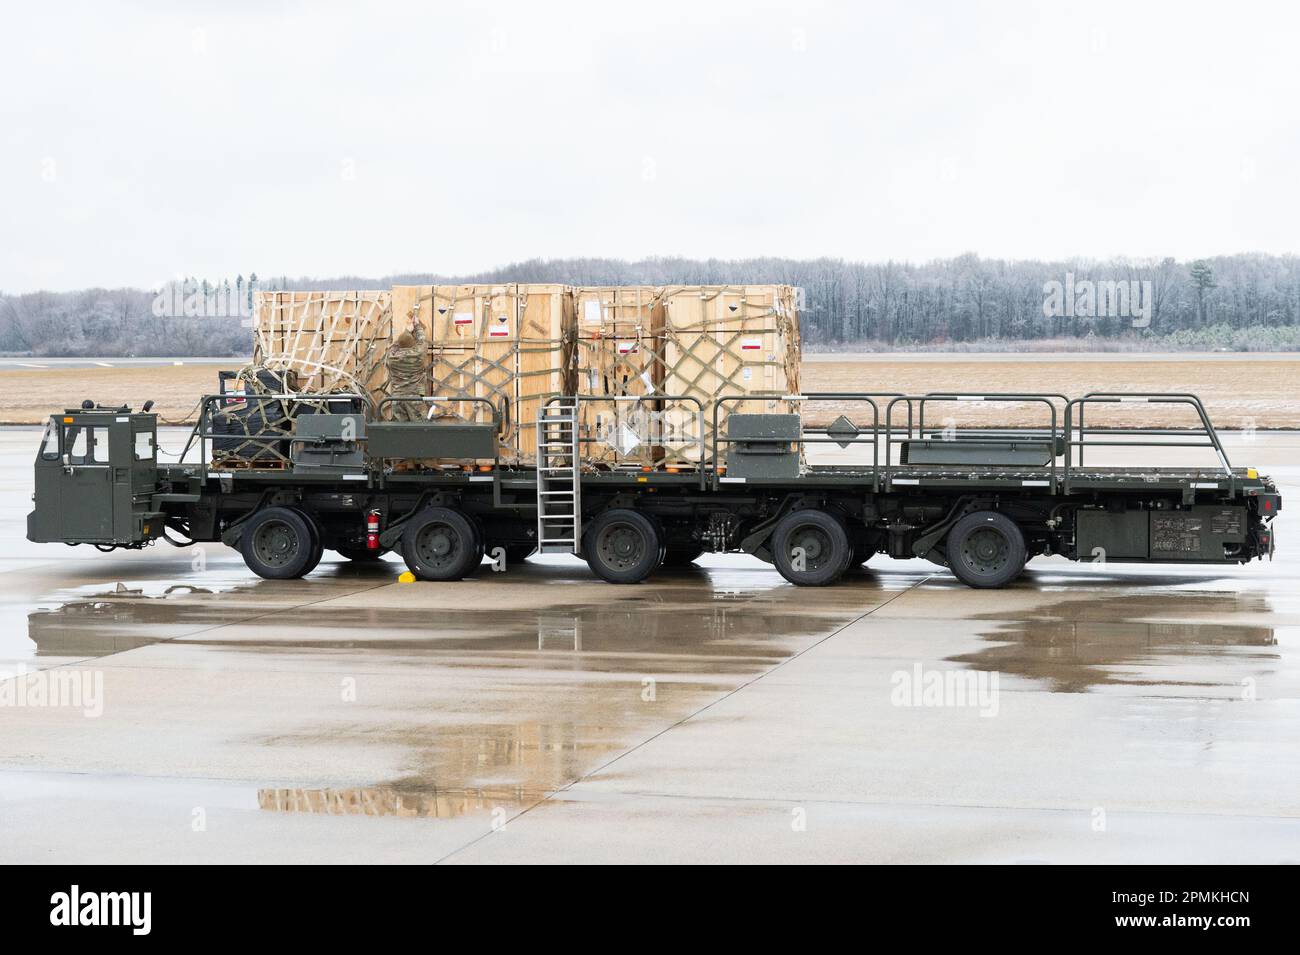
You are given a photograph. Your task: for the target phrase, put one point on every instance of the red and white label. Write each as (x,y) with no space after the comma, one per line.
(463,318)
(498,331)
(751,344)
(627,348)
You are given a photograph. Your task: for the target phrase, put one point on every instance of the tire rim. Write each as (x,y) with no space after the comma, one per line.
(815,545)
(439,546)
(986,550)
(620,546)
(275,543)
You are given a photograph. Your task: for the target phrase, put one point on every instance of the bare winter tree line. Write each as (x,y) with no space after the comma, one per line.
(1243,302)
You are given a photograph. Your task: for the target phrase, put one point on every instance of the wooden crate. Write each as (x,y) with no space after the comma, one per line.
(517,345)
(618,353)
(726,340)
(510,344)
(545,356)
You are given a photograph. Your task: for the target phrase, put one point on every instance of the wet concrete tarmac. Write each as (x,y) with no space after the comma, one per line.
(1087,714)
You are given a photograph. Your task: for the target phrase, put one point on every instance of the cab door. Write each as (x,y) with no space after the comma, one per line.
(86,485)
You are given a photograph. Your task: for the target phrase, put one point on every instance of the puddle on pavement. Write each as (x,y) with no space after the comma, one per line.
(477,709)
(743,628)
(181,796)
(111,622)
(1079,644)
(377,801)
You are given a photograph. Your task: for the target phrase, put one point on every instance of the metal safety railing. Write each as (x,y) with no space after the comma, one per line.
(1091,437)
(500,415)
(657,413)
(1048,400)
(1058,430)
(849,433)
(894,418)
(990,396)
(500,418)
(267,447)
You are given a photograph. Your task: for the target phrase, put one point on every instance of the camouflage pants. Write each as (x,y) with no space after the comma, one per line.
(408,410)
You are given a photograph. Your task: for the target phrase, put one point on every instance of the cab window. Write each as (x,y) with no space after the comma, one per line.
(50,443)
(76,442)
(86,445)
(144,445)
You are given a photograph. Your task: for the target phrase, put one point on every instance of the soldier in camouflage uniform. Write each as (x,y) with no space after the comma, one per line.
(408,372)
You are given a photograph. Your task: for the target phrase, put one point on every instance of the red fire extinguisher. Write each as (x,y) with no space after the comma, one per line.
(372,530)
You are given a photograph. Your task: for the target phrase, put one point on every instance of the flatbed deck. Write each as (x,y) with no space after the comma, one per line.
(982,501)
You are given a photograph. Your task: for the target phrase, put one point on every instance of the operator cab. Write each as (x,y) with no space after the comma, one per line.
(96,472)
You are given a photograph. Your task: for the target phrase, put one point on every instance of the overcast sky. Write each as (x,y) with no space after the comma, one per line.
(147,140)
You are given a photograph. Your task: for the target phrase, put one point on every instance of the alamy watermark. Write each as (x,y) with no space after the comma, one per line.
(187,298)
(923,687)
(54,687)
(78,907)
(1087,299)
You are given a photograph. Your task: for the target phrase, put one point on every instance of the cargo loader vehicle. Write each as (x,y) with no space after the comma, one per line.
(337,475)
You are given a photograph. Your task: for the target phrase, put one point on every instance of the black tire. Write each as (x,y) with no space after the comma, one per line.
(622,546)
(862,549)
(279,543)
(824,542)
(361,555)
(985,549)
(317,543)
(682,555)
(441,544)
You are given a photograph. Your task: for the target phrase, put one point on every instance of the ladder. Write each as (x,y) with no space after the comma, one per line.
(559,504)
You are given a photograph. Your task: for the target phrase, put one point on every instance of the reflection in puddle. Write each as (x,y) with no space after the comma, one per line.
(431,804)
(1080,644)
(91,628)
(103,622)
(735,630)
(461,710)
(559,632)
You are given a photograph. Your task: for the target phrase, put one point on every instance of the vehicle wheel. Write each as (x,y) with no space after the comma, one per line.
(622,546)
(811,548)
(862,549)
(278,543)
(317,546)
(985,549)
(361,555)
(441,544)
(682,556)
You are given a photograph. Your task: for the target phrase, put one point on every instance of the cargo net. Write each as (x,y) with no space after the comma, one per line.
(251,425)
(650,388)
(456,377)
(325,342)
(304,343)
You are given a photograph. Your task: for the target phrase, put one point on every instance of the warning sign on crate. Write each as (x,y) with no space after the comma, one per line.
(625,431)
(625,439)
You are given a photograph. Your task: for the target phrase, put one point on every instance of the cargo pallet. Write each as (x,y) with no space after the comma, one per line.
(981,501)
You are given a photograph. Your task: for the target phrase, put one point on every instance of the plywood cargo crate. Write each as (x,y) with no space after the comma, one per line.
(506,343)
(333,341)
(726,340)
(618,353)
